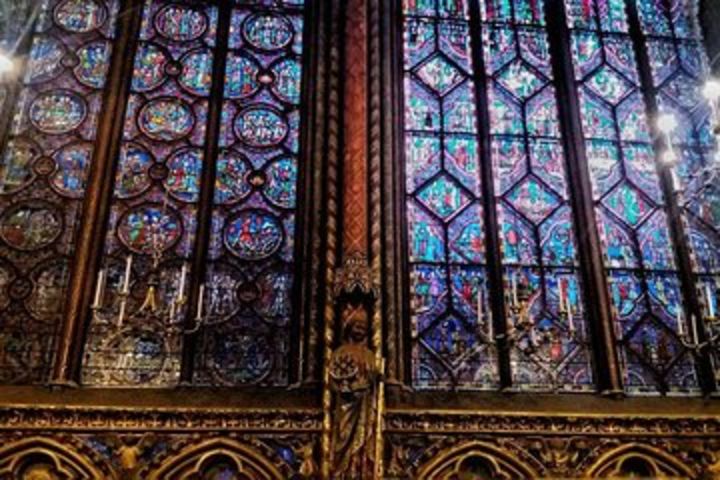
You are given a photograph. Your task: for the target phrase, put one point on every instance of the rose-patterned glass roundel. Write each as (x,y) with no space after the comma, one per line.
(80,16)
(180,23)
(267,32)
(16,165)
(241,76)
(57,112)
(166,119)
(261,127)
(132,176)
(231,184)
(138,355)
(45,59)
(30,226)
(149,228)
(93,64)
(150,63)
(287,80)
(253,235)
(183,181)
(72,162)
(281,182)
(196,72)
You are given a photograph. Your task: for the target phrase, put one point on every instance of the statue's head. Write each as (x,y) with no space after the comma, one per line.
(356,327)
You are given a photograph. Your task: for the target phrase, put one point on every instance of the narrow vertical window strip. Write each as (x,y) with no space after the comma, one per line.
(140,300)
(451,323)
(680,68)
(642,275)
(248,292)
(43,172)
(545,308)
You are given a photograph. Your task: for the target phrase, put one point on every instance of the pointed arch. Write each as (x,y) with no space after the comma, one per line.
(18,459)
(659,462)
(192,462)
(499,463)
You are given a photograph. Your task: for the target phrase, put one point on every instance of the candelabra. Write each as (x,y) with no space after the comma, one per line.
(168,310)
(522,331)
(703,179)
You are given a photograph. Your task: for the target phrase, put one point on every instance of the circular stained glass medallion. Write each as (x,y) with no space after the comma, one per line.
(45,62)
(135,356)
(149,69)
(147,228)
(196,73)
(183,180)
(180,23)
(261,127)
(49,281)
(57,112)
(239,357)
(253,235)
(31,226)
(281,181)
(92,64)
(72,164)
(80,16)
(274,301)
(16,165)
(231,184)
(266,31)
(286,85)
(132,176)
(166,119)
(241,76)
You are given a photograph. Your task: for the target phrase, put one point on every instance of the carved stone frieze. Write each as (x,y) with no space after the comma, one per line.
(448,445)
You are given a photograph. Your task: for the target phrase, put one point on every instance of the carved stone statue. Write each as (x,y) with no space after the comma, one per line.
(354,378)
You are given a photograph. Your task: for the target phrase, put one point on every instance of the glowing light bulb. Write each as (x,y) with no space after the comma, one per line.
(667,123)
(711,90)
(669,158)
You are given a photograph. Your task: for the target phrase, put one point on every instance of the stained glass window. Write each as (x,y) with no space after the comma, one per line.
(448,286)
(249,281)
(244,307)
(450,305)
(43,170)
(629,203)
(679,69)
(151,231)
(532,200)
(447,96)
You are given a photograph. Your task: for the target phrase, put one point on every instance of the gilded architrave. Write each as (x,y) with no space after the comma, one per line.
(435,444)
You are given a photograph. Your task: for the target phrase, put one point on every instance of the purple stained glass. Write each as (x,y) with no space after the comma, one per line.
(629,205)
(250,273)
(44,164)
(536,233)
(154,208)
(679,67)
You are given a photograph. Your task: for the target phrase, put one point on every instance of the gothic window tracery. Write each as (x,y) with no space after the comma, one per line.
(509,197)
(198,249)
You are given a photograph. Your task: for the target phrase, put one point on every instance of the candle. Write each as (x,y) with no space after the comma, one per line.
(121,316)
(561,294)
(128,269)
(678,318)
(571,322)
(533,329)
(490,332)
(694,322)
(480,305)
(181,289)
(710,301)
(514,289)
(99,288)
(199,314)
